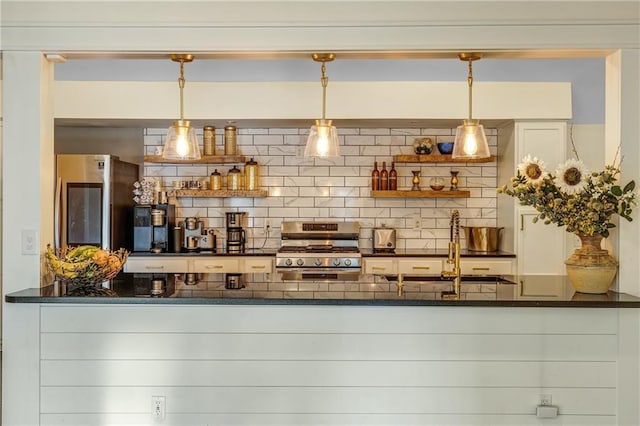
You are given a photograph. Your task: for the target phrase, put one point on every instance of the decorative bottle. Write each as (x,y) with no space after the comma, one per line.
(393,178)
(375,177)
(384,177)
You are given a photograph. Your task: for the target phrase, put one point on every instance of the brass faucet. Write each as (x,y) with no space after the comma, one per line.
(400,285)
(453,258)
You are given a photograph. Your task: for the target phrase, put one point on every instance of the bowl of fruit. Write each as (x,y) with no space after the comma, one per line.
(85,266)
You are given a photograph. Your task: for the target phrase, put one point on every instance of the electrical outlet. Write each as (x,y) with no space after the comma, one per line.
(545,399)
(29,241)
(417,222)
(158,408)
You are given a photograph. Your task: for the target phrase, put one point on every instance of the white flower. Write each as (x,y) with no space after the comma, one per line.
(571,177)
(532,169)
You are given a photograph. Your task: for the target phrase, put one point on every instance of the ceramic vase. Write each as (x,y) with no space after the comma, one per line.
(590,268)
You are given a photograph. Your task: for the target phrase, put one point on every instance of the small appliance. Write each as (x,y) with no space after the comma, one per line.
(384,240)
(191,233)
(152,228)
(236,237)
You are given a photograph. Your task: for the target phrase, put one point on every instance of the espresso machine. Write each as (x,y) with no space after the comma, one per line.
(151,227)
(191,234)
(236,237)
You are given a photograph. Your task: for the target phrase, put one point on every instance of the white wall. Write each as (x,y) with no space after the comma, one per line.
(312,365)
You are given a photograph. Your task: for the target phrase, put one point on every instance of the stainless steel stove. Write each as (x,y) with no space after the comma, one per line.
(325,251)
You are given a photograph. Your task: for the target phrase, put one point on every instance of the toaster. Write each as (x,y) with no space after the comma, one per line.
(384,240)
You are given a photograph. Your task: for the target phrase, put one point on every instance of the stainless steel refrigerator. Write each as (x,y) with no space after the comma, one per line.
(94,201)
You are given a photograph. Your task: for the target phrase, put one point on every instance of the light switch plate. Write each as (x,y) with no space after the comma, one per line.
(30,241)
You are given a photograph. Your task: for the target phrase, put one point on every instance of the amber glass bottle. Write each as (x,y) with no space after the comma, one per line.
(393,178)
(384,177)
(375,177)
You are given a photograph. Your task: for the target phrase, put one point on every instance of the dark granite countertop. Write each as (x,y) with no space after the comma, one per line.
(219,252)
(365,253)
(434,253)
(268,289)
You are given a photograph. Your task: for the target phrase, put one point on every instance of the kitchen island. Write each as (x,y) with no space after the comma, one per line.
(369,290)
(328,353)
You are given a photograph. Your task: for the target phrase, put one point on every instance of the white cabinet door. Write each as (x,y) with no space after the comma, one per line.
(545,140)
(157,265)
(420,266)
(541,248)
(380,266)
(491,266)
(217,264)
(254,264)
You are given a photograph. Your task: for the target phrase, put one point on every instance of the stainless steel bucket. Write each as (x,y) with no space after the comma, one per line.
(482,238)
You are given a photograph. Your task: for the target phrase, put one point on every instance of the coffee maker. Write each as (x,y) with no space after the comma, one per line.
(192,232)
(152,225)
(235,233)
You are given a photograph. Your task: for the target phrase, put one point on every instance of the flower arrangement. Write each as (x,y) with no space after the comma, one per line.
(584,202)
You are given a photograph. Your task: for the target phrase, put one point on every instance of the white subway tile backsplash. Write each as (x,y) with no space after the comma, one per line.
(338,188)
(316,212)
(406,132)
(313,171)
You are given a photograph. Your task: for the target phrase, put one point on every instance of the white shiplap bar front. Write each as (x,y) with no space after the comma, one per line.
(332,365)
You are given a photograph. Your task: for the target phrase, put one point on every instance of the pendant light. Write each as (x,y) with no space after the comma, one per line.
(471,141)
(181,142)
(323,137)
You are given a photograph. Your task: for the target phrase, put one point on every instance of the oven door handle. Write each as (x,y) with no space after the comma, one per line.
(318,270)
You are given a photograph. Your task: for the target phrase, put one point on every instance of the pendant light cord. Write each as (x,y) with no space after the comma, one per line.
(470,81)
(324,80)
(181,84)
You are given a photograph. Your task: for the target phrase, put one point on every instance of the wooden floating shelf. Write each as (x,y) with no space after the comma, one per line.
(438,158)
(223,193)
(408,193)
(209,159)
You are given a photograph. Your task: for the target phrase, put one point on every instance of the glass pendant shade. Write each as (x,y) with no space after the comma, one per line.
(471,141)
(323,140)
(181,142)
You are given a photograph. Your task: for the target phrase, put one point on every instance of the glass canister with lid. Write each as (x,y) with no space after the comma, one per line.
(251,175)
(234,179)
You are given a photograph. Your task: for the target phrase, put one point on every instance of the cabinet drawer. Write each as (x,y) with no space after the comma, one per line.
(486,267)
(380,266)
(420,266)
(215,264)
(263,265)
(160,265)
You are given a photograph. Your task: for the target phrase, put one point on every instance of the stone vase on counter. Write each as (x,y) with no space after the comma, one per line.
(590,268)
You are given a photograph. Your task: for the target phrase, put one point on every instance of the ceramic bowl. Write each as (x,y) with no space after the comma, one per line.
(445,147)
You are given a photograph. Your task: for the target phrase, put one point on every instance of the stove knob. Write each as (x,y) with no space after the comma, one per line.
(300,262)
(318,262)
(347,262)
(336,262)
(288,262)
